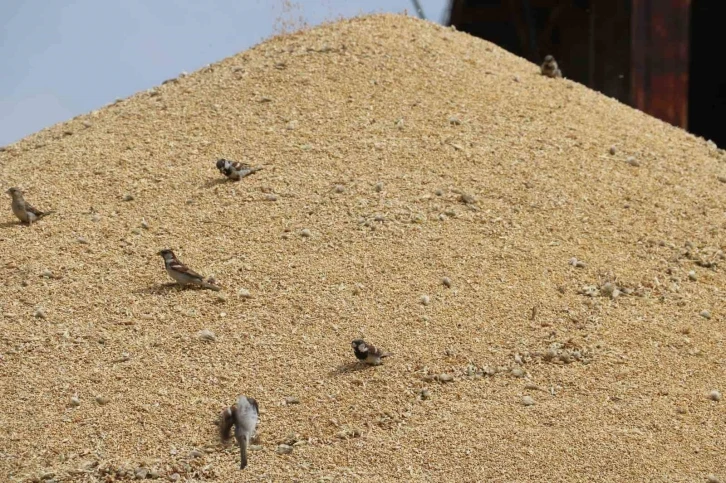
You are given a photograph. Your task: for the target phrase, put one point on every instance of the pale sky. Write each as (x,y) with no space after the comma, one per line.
(62,58)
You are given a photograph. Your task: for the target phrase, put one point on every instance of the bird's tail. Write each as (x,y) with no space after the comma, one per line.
(211,286)
(46,213)
(243,453)
(386,354)
(250,171)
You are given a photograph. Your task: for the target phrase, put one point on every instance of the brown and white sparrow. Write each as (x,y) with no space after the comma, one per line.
(182,274)
(243,416)
(24,210)
(368,353)
(235,170)
(550,68)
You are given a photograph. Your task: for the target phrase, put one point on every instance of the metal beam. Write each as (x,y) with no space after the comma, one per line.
(419,9)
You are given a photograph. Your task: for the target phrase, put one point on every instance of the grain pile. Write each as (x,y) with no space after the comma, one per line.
(555,307)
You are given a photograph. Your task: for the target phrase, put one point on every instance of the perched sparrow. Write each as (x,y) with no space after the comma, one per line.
(367,353)
(24,210)
(183,274)
(549,67)
(243,416)
(235,170)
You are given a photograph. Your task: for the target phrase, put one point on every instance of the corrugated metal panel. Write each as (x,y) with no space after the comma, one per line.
(659,58)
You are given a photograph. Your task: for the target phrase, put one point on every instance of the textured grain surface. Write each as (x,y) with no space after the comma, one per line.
(369,130)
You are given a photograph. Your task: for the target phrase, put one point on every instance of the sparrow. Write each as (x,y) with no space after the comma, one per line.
(235,170)
(550,68)
(24,210)
(368,353)
(243,416)
(182,274)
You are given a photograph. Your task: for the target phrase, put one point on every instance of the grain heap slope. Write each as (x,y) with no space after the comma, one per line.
(409,152)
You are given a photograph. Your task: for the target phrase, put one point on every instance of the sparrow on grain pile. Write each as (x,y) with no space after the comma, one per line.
(24,210)
(182,274)
(550,68)
(243,416)
(368,353)
(235,170)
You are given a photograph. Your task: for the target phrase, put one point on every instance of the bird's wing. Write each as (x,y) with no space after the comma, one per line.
(181,268)
(254,404)
(30,209)
(226,420)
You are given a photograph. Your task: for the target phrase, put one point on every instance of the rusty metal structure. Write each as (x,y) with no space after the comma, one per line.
(655,55)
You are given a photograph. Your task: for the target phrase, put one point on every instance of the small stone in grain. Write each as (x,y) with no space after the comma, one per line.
(141,473)
(466,198)
(206,335)
(283,449)
(445,378)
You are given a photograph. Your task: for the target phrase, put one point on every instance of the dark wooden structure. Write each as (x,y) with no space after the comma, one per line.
(637,51)
(659,58)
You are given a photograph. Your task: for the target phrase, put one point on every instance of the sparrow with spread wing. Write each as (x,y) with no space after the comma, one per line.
(243,416)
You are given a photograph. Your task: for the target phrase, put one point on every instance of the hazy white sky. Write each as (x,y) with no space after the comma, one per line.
(61,58)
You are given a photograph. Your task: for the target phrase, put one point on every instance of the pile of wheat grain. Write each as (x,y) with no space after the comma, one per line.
(579,334)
